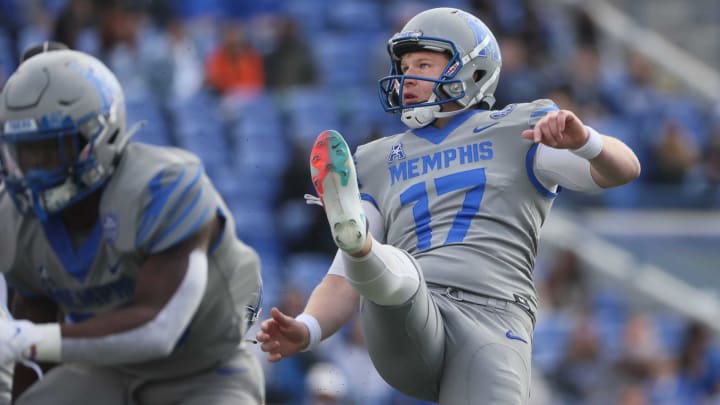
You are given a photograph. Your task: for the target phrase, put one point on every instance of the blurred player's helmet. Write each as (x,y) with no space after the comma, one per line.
(62,117)
(469,78)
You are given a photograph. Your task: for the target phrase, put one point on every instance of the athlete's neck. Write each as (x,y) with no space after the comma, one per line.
(83,215)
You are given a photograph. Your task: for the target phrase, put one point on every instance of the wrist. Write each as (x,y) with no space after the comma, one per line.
(314,330)
(592,147)
(49,345)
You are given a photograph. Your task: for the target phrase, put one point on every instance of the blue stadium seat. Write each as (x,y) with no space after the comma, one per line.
(199,127)
(155,130)
(347,59)
(550,339)
(310,110)
(8,61)
(355,16)
(310,14)
(260,144)
(31,35)
(254,221)
(306,270)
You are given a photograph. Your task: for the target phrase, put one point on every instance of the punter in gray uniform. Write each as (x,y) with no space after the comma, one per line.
(454,208)
(129,243)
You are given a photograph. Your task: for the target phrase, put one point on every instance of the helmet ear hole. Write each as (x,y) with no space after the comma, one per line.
(478,75)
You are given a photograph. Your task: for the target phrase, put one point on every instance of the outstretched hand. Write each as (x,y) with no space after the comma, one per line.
(559,129)
(282,336)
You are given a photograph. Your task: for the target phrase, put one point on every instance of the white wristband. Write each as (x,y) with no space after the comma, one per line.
(592,147)
(313,329)
(49,347)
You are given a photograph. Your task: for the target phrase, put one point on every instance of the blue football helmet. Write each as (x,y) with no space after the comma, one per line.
(62,130)
(469,78)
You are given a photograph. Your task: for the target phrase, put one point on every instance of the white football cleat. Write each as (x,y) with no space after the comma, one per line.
(333,175)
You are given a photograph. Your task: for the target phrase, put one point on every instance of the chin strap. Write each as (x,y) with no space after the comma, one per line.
(420,117)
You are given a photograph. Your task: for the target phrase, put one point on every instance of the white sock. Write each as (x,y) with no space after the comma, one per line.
(385,276)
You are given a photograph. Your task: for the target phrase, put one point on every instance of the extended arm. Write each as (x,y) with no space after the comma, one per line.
(612,163)
(168,290)
(332,303)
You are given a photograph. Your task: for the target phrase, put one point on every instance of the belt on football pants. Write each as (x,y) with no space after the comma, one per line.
(460,295)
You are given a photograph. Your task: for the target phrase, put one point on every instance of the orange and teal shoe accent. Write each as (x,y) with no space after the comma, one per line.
(333,175)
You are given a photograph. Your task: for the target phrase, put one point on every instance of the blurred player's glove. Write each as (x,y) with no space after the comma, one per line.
(17,339)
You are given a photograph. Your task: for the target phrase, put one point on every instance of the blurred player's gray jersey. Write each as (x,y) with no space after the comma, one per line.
(463,200)
(156,198)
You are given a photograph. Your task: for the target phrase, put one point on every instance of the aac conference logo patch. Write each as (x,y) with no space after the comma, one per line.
(397,153)
(110,228)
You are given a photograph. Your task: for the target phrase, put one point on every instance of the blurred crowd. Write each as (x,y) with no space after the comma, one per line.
(248,84)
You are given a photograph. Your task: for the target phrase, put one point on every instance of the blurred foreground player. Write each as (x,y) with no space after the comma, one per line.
(123,257)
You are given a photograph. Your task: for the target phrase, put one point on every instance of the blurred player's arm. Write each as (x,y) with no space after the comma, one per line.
(169,288)
(168,291)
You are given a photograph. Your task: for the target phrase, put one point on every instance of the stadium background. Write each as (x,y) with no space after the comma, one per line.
(628,279)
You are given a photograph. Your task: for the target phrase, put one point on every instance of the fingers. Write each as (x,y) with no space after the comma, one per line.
(279,317)
(267,344)
(552,129)
(272,349)
(270,346)
(274,357)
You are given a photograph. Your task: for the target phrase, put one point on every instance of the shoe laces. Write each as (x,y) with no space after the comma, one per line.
(312,200)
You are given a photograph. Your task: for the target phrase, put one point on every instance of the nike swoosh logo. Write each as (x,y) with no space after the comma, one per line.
(231,370)
(114,267)
(510,335)
(17,331)
(480,129)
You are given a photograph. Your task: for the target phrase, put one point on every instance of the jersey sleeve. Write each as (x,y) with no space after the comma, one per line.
(177,201)
(539,108)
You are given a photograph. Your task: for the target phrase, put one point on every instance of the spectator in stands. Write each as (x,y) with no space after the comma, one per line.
(703,182)
(522,81)
(235,65)
(290,62)
(579,374)
(675,154)
(74,17)
(188,69)
(290,200)
(565,288)
(642,355)
(699,364)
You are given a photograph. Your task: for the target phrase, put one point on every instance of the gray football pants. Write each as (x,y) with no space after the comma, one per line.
(239,380)
(450,350)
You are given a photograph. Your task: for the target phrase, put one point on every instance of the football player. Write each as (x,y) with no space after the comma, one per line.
(122,256)
(438,243)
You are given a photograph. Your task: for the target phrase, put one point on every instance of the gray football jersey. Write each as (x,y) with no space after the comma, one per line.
(463,200)
(157,197)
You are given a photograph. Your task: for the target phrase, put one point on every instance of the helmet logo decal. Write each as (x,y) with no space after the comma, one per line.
(409,35)
(56,120)
(20,126)
(103,86)
(481,31)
